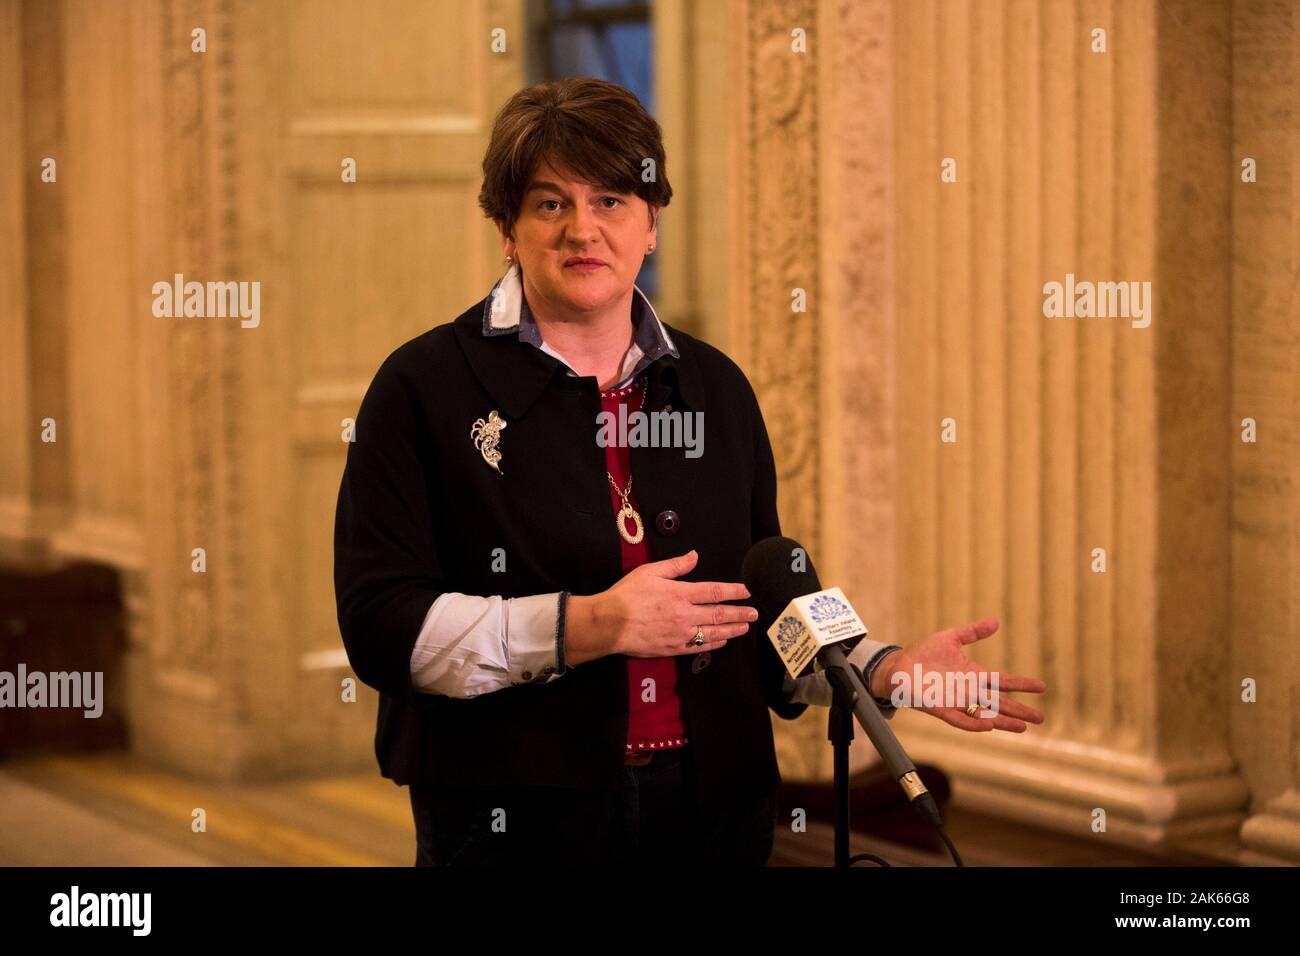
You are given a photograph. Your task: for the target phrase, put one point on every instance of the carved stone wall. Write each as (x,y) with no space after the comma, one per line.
(1112,163)
(1265,544)
(223,164)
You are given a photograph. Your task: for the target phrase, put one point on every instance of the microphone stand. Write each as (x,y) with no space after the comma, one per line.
(839,731)
(853,699)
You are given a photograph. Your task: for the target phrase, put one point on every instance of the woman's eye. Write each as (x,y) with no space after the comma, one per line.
(552,205)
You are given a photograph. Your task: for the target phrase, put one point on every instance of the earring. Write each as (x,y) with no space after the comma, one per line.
(651,249)
(510,260)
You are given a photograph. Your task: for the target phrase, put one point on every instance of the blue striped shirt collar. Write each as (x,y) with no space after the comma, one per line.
(507,312)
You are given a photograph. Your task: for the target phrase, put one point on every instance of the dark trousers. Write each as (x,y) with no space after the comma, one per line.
(654,819)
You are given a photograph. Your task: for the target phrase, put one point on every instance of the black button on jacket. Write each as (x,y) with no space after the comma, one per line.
(420,512)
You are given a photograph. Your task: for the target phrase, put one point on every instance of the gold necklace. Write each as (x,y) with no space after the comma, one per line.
(627,511)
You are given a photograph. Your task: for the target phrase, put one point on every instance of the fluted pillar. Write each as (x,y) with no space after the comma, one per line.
(1265,546)
(949,451)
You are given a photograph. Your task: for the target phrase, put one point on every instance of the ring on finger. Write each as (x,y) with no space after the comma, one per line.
(698,639)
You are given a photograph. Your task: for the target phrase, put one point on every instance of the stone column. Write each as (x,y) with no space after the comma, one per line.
(811,292)
(1265,543)
(1087,139)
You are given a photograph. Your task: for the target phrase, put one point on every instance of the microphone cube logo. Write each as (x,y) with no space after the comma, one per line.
(811,622)
(793,642)
(789,631)
(826,607)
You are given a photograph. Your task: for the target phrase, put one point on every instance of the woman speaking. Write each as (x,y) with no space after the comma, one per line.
(568,670)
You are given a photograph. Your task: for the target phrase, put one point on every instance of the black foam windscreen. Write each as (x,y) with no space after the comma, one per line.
(777,570)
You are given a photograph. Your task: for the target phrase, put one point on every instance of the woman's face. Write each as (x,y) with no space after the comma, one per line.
(562,219)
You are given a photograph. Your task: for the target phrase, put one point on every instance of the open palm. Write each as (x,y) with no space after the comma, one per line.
(942,653)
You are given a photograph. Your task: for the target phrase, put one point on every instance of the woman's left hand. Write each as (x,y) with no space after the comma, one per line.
(941,654)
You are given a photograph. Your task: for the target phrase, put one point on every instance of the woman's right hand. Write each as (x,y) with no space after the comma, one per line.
(649,614)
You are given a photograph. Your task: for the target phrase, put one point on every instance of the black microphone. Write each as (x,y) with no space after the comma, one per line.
(778,571)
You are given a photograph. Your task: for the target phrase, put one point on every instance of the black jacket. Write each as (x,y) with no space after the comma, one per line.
(420,512)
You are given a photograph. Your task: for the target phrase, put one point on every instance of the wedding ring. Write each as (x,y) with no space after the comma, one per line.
(973,710)
(698,640)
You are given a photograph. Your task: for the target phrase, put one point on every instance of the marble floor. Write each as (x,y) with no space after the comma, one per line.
(108,809)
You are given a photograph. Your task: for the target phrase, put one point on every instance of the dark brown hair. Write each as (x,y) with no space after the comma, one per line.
(598,129)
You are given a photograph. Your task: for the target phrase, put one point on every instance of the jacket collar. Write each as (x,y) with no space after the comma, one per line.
(500,341)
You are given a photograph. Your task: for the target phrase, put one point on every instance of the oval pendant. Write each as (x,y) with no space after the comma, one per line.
(628,512)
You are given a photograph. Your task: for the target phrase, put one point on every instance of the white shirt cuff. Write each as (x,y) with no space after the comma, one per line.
(467,645)
(532,625)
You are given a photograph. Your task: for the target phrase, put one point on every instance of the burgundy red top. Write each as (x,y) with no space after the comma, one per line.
(654,707)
